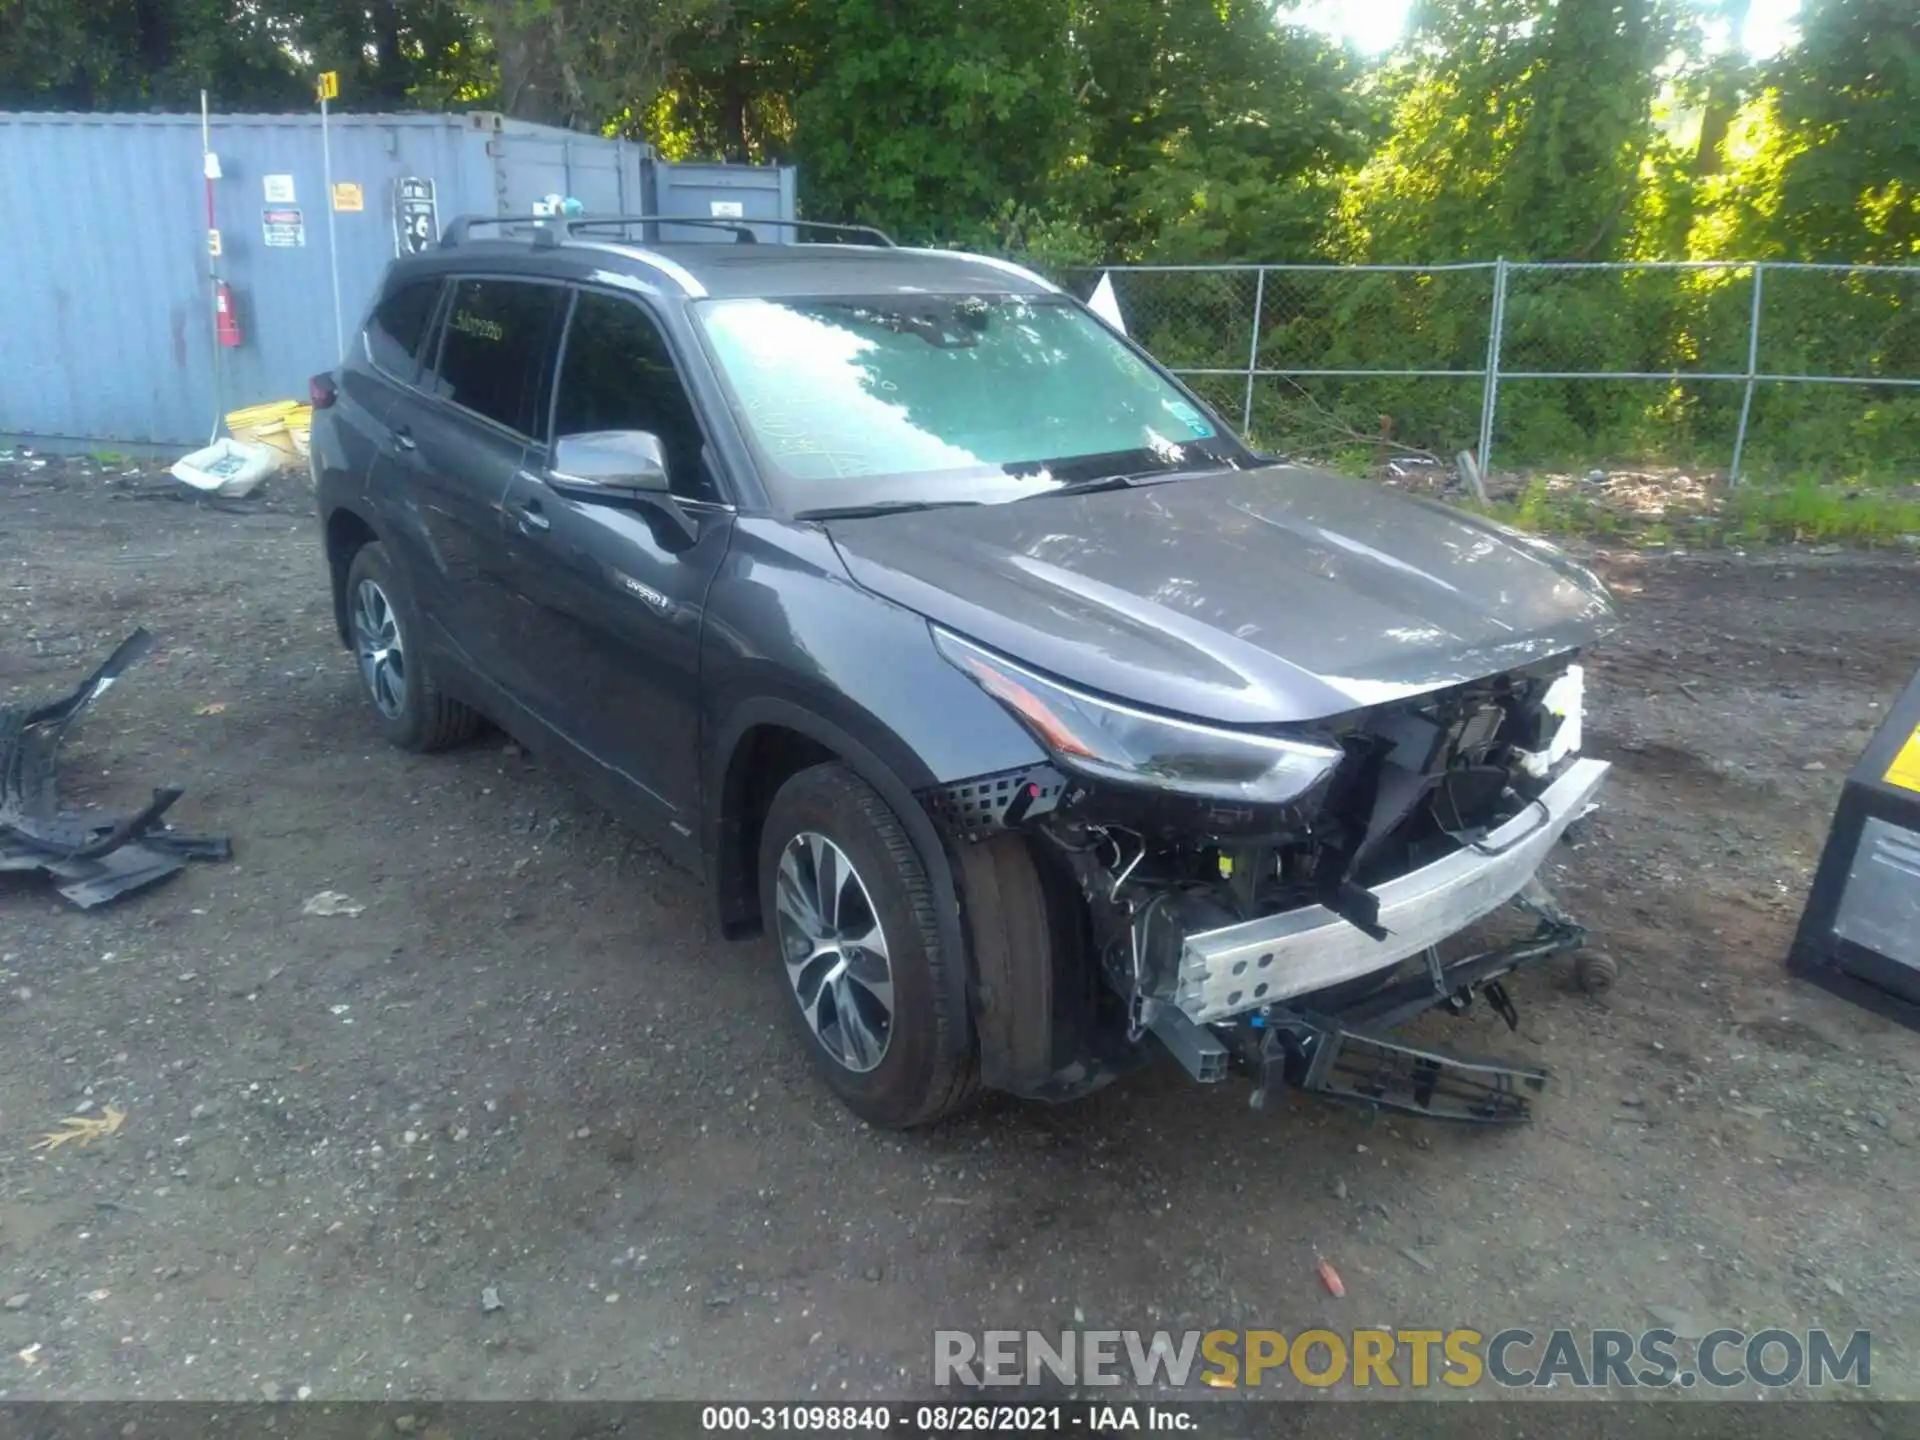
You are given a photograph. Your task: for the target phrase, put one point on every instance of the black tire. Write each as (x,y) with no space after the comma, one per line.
(423,719)
(928,1068)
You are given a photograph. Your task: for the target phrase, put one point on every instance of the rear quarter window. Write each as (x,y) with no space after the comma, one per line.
(398,327)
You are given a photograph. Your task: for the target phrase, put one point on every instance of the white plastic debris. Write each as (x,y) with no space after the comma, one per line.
(227,467)
(331,902)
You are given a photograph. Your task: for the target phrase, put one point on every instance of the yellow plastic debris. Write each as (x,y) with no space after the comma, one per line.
(283,426)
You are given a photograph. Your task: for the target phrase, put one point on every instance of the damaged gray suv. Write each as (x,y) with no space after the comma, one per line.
(1039,725)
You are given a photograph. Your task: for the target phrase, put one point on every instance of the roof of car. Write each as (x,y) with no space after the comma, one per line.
(727,270)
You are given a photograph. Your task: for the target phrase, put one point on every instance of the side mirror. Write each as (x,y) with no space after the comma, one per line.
(606,465)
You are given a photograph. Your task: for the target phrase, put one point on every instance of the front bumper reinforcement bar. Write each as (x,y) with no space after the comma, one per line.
(1244,967)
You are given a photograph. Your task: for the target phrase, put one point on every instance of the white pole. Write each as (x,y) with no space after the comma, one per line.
(333,247)
(213,266)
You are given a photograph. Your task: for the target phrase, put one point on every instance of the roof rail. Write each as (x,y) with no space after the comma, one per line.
(545,230)
(457,228)
(742,228)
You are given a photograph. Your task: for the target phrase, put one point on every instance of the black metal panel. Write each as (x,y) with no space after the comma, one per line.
(988,804)
(1880,787)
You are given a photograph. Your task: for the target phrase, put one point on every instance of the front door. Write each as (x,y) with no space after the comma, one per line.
(611,597)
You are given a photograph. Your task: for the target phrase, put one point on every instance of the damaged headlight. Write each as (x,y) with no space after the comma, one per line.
(1107,741)
(1565,701)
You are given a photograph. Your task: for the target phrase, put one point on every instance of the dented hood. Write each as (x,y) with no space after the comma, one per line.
(1254,596)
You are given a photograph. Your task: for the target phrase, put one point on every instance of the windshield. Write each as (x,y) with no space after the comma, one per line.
(946,398)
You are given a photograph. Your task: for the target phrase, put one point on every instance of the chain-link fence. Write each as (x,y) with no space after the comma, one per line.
(1800,369)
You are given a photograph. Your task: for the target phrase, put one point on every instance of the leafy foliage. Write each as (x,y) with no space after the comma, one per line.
(1076,132)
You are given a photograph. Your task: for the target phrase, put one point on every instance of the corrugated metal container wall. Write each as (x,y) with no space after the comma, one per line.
(745,192)
(107,332)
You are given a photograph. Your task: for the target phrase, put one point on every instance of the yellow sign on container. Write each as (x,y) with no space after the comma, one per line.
(348,196)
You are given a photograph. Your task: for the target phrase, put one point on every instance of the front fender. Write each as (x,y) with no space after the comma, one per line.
(785,623)
(790,642)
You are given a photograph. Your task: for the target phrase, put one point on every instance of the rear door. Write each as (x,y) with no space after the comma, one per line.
(353,451)
(612,596)
(458,438)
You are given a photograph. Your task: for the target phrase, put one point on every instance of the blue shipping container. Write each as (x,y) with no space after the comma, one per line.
(107,333)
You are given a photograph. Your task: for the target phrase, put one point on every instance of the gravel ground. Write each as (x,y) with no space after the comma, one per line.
(525,1128)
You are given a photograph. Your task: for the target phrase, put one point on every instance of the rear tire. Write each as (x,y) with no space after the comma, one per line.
(396,674)
(880,1004)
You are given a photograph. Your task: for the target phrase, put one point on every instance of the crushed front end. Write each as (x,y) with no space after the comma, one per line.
(1273,905)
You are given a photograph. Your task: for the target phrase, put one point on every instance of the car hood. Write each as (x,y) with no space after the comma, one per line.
(1255,596)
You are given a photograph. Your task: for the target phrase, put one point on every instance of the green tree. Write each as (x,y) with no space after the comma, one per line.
(1519,128)
(1210,129)
(137,54)
(1846,102)
(927,115)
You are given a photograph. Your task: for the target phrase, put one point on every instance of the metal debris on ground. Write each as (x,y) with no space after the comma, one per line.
(94,858)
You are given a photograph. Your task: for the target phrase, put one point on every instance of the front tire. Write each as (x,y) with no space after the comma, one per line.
(881,1005)
(395,673)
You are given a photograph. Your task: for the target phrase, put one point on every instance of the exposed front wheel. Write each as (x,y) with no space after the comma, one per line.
(845,897)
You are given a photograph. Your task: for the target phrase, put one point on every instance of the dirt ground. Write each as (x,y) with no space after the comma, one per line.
(530,1067)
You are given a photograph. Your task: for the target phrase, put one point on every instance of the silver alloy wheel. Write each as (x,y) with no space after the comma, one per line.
(377,641)
(836,951)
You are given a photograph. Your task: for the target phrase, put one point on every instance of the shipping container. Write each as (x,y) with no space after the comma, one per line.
(108,333)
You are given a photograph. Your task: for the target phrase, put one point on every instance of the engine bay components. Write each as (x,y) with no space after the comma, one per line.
(1283,906)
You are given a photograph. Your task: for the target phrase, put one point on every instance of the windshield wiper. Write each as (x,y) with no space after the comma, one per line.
(1086,487)
(879,507)
(1127,481)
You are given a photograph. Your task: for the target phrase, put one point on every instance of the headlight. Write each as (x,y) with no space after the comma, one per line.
(1106,741)
(1566,700)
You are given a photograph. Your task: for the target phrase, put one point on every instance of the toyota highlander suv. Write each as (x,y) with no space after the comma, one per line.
(1038,724)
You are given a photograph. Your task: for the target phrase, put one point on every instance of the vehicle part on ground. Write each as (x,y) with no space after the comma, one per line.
(92,858)
(1596,971)
(1859,935)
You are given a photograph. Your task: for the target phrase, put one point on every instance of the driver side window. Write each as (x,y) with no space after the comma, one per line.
(617,373)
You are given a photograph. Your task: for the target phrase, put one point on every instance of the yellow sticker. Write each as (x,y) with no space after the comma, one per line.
(348,196)
(1905,770)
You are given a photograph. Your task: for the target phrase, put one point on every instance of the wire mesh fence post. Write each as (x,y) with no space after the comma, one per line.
(1753,369)
(1253,351)
(1490,390)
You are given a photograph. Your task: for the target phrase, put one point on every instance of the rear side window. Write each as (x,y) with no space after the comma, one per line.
(494,346)
(399,326)
(618,374)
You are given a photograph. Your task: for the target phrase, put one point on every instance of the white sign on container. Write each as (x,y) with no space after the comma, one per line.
(278,188)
